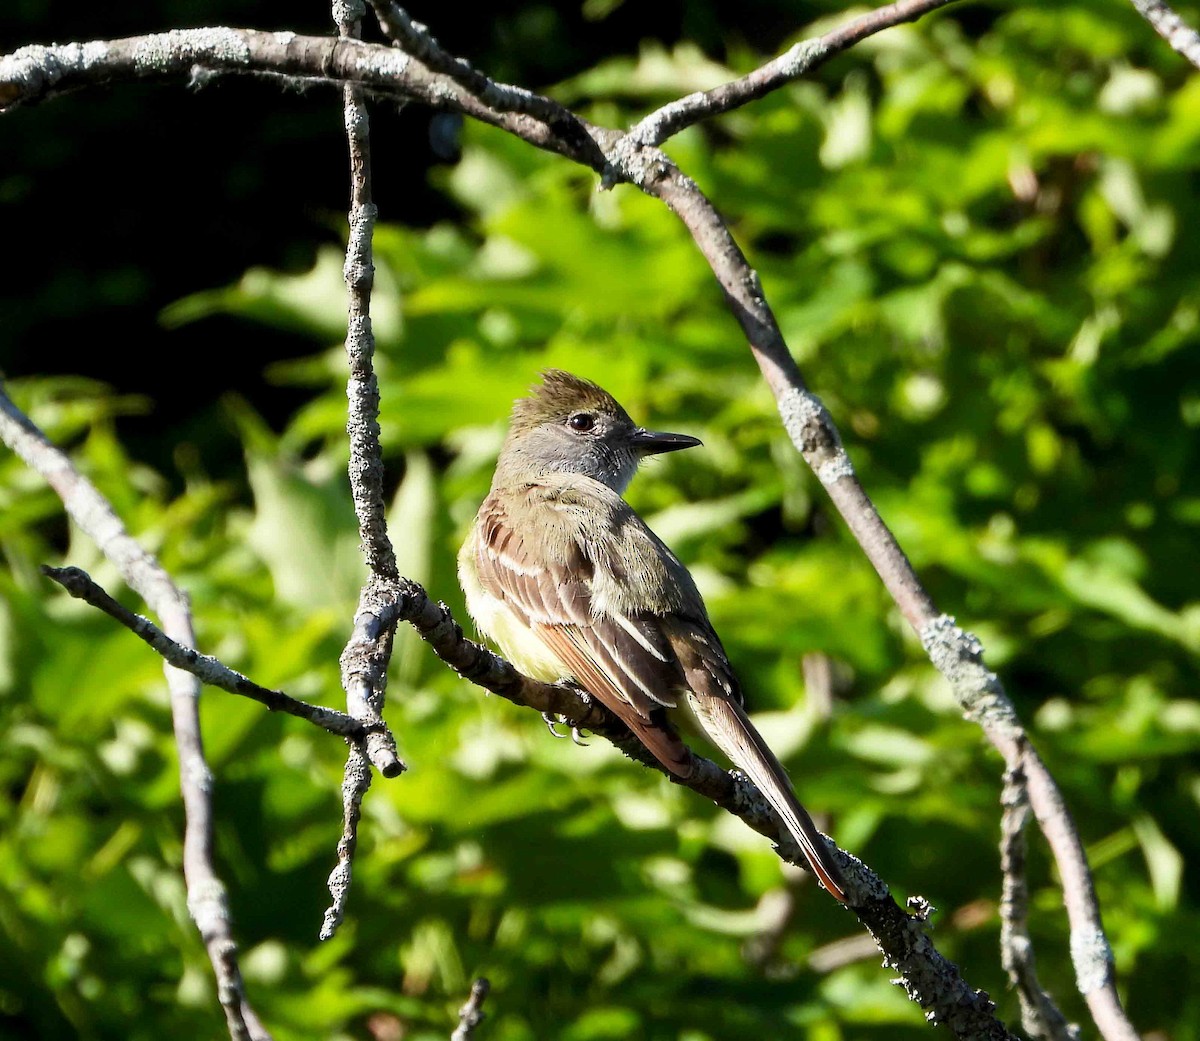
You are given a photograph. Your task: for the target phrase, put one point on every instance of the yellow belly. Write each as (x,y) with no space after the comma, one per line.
(494,619)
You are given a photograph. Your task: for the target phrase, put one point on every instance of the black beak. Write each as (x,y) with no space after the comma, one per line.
(652,442)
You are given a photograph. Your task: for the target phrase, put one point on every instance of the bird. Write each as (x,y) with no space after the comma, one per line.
(568,581)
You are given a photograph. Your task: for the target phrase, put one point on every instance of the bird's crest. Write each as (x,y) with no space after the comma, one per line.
(558,396)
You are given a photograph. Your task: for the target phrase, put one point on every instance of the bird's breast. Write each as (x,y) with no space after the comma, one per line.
(497,621)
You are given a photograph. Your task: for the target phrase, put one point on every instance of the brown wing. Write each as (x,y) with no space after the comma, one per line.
(624,662)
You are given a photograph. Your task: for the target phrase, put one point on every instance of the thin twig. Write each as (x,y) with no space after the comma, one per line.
(1040,1016)
(840,953)
(795,62)
(362,388)
(365,659)
(416,40)
(205,891)
(206,669)
(364,677)
(472,1014)
(819,684)
(776,912)
(1181,37)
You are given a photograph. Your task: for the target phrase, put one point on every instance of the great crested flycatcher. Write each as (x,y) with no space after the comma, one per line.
(570,583)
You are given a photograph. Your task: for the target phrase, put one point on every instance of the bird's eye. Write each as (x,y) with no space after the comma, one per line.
(582,422)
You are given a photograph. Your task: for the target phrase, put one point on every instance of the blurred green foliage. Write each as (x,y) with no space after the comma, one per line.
(980,243)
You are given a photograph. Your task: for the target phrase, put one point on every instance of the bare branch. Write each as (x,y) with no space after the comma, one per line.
(356,779)
(366,656)
(206,893)
(362,387)
(367,653)
(958,655)
(776,912)
(846,951)
(364,676)
(1040,1016)
(667,121)
(1181,37)
(206,669)
(471,1014)
(818,683)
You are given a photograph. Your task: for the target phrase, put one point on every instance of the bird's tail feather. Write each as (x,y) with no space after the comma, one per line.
(730,729)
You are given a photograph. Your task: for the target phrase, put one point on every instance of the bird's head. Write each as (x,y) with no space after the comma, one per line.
(569,425)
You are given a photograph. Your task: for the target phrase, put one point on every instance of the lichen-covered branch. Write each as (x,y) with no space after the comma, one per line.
(955,653)
(37,73)
(415,39)
(369,650)
(1040,1016)
(958,655)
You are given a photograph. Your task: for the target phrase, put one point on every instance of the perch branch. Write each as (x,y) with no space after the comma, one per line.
(929,979)
(205,891)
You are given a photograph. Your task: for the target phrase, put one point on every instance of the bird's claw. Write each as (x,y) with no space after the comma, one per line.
(554,720)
